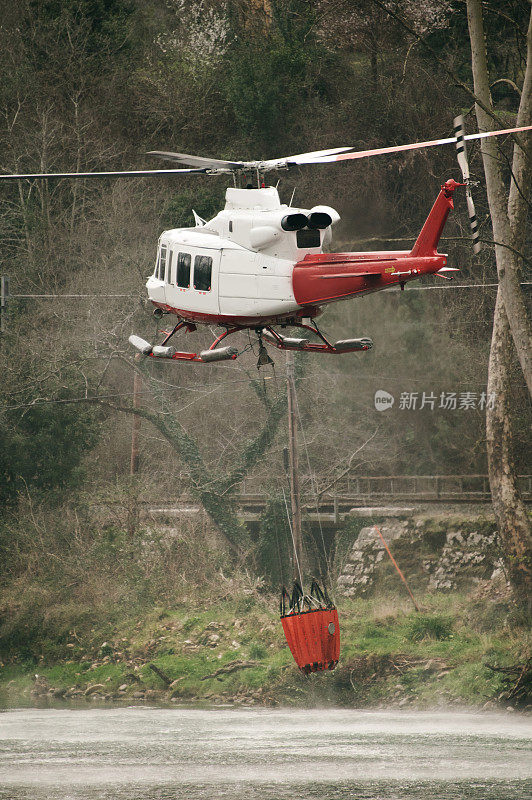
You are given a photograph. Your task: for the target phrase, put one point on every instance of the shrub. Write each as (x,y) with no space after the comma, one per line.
(429,627)
(257,651)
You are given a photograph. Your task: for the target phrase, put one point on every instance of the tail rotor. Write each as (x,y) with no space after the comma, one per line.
(459,132)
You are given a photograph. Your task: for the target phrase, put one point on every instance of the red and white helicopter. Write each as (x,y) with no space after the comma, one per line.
(259,264)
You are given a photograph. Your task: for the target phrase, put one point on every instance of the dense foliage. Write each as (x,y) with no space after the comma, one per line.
(42,449)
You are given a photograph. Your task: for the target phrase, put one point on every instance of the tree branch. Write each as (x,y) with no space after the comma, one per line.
(485,107)
(257,446)
(362,446)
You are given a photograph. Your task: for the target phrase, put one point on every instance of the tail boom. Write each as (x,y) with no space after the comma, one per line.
(327,277)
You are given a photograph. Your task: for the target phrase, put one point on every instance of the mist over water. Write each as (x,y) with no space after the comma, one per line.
(178,754)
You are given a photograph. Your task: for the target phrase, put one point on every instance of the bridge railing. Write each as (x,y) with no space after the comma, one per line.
(424,486)
(474,487)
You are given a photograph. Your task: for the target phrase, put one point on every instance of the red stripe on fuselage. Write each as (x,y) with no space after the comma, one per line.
(349,274)
(202,318)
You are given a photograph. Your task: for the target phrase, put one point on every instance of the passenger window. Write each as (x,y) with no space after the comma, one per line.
(183,270)
(162,263)
(307,237)
(202,273)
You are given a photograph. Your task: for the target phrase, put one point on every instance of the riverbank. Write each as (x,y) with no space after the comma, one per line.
(233,651)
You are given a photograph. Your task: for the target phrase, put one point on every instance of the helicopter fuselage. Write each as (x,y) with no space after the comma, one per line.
(259,262)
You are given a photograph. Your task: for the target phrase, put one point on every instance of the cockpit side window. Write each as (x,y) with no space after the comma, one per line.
(183,270)
(162,263)
(202,273)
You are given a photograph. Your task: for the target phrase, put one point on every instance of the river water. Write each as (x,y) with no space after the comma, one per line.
(247,754)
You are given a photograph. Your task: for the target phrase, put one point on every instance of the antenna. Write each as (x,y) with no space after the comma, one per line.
(292,198)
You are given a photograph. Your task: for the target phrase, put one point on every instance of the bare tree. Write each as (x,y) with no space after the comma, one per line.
(215,490)
(508,208)
(509,213)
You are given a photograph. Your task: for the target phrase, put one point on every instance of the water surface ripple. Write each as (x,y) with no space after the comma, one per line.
(232,754)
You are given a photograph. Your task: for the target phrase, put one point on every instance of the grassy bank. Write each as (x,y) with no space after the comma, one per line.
(233,650)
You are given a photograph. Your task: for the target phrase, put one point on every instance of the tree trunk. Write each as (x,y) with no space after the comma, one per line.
(508,214)
(509,509)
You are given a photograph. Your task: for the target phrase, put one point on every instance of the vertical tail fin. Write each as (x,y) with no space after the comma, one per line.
(427,241)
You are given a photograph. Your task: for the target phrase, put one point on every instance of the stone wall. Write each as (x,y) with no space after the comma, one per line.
(434,553)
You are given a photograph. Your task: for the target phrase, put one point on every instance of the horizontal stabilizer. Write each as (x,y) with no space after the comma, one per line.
(443,273)
(141,345)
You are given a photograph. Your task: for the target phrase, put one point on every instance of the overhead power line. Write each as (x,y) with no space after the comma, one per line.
(75,296)
(96,398)
(461,286)
(136,297)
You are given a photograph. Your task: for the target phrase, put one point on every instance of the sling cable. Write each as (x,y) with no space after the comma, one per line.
(310,621)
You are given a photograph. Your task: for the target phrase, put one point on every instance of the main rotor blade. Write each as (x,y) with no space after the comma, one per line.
(200,161)
(415,146)
(199,164)
(302,158)
(261,166)
(136,173)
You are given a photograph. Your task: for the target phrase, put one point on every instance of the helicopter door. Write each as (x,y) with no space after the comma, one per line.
(203,294)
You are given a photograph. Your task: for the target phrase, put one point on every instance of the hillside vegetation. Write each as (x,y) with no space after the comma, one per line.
(95,84)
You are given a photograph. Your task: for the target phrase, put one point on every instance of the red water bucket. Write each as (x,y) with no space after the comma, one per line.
(313,637)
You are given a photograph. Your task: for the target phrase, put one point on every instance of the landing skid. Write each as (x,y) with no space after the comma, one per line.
(203,357)
(267,333)
(304,345)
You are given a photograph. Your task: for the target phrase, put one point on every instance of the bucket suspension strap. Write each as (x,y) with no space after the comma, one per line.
(321,595)
(296,601)
(284,605)
(297,598)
